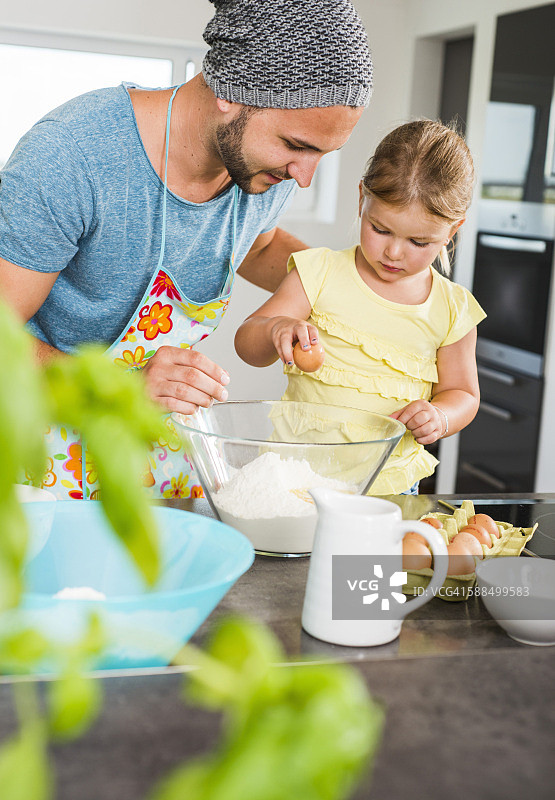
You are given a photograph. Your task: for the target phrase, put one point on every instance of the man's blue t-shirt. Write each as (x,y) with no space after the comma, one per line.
(80,195)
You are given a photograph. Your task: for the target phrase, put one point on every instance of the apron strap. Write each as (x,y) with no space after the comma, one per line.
(84,467)
(160,260)
(164,200)
(235,210)
(228,282)
(230,277)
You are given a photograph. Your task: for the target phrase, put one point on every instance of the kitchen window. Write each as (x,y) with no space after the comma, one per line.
(46,70)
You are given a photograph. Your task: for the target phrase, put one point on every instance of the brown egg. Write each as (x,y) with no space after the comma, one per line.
(470,542)
(461,561)
(417,537)
(479,532)
(486,522)
(433,522)
(309,360)
(415,554)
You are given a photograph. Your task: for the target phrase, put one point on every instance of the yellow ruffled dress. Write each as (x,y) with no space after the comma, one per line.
(380,355)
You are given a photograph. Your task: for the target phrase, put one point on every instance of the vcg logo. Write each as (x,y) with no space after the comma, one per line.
(364,589)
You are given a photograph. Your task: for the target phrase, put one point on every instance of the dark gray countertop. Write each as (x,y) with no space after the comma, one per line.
(273,591)
(477,726)
(469,711)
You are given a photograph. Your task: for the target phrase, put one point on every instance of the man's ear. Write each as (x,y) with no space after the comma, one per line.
(225,106)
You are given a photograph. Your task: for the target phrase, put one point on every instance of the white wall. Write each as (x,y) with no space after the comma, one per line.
(170,20)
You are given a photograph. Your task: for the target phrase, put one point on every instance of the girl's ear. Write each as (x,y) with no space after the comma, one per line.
(360,198)
(455,228)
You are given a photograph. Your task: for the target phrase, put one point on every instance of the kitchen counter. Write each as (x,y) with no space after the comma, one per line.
(469,711)
(273,591)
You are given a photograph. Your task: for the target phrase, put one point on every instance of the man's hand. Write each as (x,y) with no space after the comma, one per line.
(182,379)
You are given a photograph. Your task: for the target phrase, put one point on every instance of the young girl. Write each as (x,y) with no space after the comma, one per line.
(399,337)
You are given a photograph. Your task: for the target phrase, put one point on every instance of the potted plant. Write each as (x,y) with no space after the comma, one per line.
(313,728)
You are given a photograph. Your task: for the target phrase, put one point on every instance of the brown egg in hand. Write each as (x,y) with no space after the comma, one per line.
(486,522)
(308,360)
(415,554)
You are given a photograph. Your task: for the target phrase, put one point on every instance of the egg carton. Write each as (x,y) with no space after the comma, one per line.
(456,587)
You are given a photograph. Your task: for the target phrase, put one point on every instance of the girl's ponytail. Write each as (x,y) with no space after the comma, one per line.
(444,261)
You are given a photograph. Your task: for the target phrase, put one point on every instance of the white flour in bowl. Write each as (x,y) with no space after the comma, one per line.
(80,593)
(268,501)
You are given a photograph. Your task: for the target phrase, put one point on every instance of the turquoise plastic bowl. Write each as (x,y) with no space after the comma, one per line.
(201,559)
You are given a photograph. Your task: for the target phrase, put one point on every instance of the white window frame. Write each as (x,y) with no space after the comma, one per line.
(178,54)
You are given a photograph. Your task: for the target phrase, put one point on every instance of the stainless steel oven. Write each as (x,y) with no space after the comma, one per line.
(512,281)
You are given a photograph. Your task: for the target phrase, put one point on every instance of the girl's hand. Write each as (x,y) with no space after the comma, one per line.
(286,331)
(423,420)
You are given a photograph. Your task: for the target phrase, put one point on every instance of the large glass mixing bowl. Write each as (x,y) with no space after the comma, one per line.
(258,460)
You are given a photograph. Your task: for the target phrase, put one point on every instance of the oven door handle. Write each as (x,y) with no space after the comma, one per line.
(495,375)
(512,243)
(476,472)
(495,411)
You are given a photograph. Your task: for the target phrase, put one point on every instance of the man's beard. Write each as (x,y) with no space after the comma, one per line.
(230,140)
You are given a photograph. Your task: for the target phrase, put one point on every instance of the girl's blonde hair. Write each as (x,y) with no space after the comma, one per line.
(423,162)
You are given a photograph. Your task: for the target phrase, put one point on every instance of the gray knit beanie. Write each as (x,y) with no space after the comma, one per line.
(288,54)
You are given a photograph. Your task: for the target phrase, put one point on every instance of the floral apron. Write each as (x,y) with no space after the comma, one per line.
(165,316)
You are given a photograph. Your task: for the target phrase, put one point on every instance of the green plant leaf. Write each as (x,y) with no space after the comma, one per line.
(13,543)
(90,384)
(94,639)
(73,702)
(119,461)
(25,772)
(23,408)
(248,650)
(187,782)
(117,420)
(22,649)
(11,584)
(290,731)
(23,420)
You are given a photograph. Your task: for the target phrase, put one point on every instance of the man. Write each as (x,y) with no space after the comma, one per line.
(89,234)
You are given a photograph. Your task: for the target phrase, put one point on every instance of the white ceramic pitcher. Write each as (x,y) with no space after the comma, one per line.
(353,592)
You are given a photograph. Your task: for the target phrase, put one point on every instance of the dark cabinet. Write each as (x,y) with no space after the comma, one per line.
(497,451)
